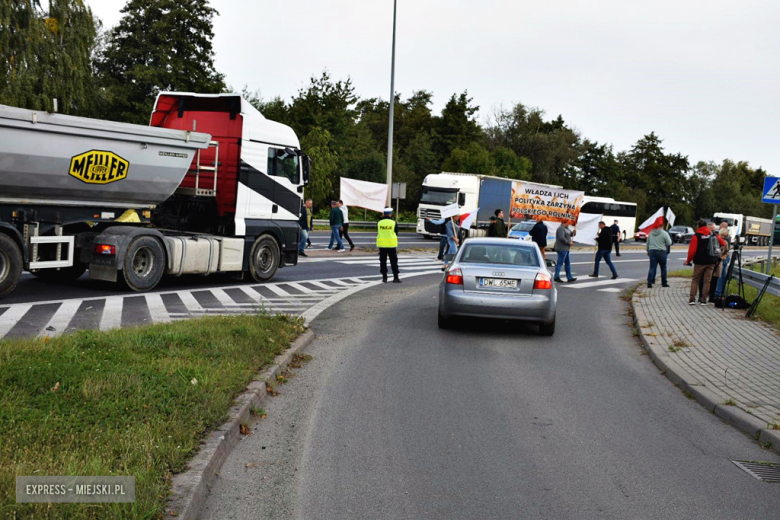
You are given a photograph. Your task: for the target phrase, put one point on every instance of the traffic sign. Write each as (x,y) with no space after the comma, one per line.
(771,190)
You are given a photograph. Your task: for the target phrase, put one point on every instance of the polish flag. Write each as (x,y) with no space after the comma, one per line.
(467,219)
(655,221)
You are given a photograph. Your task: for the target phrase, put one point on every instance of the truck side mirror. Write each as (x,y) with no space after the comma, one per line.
(306,163)
(461,199)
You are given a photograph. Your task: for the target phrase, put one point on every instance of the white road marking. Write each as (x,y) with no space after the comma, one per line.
(610,289)
(189,301)
(61,318)
(12,316)
(586,285)
(304,290)
(277,290)
(112,313)
(157,310)
(223,298)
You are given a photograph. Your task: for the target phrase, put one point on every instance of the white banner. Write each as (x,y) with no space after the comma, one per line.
(363,194)
(670,216)
(587,228)
(453,210)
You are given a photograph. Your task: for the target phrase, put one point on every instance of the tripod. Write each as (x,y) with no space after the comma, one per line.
(736,258)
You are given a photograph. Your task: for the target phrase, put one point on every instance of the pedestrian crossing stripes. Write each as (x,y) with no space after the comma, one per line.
(53,318)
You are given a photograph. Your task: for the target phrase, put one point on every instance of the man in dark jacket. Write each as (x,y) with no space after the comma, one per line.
(615,229)
(538,234)
(604,243)
(704,263)
(336,221)
(305,222)
(497,225)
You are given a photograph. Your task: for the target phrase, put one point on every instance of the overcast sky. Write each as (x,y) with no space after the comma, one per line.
(703,74)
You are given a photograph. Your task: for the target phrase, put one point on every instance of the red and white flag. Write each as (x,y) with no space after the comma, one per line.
(467,219)
(655,221)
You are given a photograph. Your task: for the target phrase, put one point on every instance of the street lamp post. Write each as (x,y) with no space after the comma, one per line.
(390,124)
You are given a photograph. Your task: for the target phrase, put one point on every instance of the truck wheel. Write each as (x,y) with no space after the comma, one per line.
(144,264)
(10,265)
(264,260)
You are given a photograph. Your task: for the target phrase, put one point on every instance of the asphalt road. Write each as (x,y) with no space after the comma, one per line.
(394,418)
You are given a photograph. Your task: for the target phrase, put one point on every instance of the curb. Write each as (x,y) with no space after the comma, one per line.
(732,415)
(190,488)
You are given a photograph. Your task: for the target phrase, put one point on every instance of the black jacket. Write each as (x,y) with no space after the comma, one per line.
(605,239)
(539,234)
(303,221)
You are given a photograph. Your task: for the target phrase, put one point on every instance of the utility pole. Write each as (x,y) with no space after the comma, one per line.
(390,130)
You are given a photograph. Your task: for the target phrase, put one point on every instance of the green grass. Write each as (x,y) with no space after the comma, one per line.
(127,402)
(769,308)
(681,273)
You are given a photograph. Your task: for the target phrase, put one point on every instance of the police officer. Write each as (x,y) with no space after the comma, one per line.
(387,242)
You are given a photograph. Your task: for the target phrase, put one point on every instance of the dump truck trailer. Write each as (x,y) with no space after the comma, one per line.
(210,186)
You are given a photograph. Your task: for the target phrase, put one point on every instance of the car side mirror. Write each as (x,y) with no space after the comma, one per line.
(461,199)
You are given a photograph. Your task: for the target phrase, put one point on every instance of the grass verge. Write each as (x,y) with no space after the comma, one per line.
(769,308)
(125,402)
(681,273)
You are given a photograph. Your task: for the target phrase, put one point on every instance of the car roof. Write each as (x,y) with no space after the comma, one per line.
(483,241)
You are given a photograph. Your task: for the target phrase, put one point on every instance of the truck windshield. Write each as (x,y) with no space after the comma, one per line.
(439,196)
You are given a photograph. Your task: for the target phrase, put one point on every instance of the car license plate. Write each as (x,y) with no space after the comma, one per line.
(498,282)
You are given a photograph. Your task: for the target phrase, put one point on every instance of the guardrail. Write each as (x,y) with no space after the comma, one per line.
(758,279)
(356,223)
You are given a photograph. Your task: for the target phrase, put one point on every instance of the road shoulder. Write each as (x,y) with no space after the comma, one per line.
(728,364)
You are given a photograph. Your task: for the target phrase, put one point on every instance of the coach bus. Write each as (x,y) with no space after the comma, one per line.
(611,210)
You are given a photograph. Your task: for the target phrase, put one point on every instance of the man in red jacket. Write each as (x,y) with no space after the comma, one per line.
(704,263)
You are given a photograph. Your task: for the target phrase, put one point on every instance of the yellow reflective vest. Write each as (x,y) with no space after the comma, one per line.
(385,236)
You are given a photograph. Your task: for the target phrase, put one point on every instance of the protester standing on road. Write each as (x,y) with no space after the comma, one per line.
(450,236)
(538,234)
(704,255)
(563,243)
(725,258)
(344,233)
(305,222)
(604,243)
(336,220)
(616,236)
(387,242)
(497,225)
(658,243)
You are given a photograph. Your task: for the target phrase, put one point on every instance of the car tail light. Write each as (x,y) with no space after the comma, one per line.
(543,281)
(455,276)
(105,249)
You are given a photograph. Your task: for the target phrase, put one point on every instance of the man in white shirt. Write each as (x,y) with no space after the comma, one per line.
(345,228)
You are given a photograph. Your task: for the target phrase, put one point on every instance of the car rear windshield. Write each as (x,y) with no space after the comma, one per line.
(499,254)
(523,226)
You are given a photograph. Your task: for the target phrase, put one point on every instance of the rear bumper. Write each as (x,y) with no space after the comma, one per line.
(540,308)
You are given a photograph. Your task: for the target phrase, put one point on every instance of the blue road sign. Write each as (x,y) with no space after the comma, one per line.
(771,190)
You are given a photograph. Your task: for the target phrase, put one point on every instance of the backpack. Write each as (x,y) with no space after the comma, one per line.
(713,248)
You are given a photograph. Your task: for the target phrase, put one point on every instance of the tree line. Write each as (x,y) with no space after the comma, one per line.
(61,50)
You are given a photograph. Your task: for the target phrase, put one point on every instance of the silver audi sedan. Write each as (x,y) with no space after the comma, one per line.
(499,278)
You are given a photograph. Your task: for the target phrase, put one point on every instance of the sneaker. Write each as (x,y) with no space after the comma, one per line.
(702,302)
(665,285)
(649,286)
(301,253)
(340,250)
(570,280)
(593,275)
(691,302)
(351,248)
(558,279)
(614,276)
